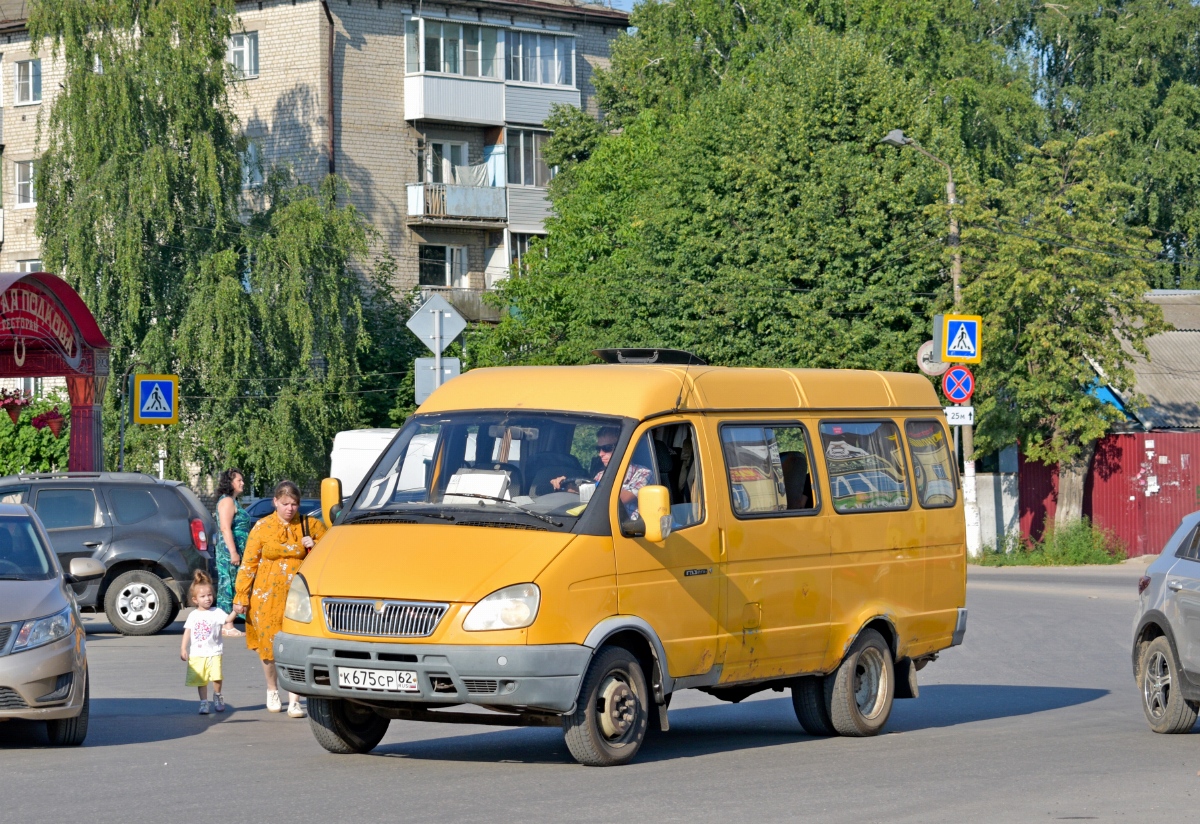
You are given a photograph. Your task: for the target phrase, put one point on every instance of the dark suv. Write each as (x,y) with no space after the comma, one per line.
(151,535)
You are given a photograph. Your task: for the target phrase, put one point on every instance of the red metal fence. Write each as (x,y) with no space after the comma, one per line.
(1140,486)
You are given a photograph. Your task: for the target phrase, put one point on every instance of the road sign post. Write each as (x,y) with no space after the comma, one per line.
(437,324)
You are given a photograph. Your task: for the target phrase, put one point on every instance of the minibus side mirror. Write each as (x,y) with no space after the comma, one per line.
(654,507)
(331,499)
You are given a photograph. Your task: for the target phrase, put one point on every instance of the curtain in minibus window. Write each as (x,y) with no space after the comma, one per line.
(865,461)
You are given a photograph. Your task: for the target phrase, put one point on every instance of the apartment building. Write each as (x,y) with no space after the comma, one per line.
(431,111)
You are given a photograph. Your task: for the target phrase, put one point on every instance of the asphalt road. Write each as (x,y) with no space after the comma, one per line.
(1034,718)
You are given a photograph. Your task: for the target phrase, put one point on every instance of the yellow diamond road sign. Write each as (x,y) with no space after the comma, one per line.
(155,399)
(956,338)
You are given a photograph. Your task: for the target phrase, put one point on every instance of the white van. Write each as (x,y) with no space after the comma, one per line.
(354,452)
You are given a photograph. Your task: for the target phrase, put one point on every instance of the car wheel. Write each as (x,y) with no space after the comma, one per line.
(138,603)
(611,716)
(1164,705)
(859,695)
(344,727)
(70,732)
(808,700)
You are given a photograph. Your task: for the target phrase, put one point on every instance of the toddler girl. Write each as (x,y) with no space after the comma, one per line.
(202,646)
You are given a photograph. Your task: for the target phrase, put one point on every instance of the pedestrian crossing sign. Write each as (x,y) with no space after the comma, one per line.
(155,399)
(956,338)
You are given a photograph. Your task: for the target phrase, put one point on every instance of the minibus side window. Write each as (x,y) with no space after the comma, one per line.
(667,456)
(865,461)
(769,469)
(933,474)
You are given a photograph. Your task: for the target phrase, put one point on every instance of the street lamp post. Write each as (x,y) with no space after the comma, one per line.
(897,138)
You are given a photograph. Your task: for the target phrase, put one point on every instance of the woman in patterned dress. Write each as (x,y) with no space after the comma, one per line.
(277,545)
(233,527)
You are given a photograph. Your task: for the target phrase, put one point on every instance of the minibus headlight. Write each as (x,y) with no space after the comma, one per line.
(299,604)
(42,631)
(509,608)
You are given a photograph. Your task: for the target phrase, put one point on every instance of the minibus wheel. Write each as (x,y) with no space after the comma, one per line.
(859,694)
(808,700)
(612,713)
(344,727)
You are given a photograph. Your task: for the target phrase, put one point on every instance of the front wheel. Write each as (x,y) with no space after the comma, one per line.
(70,732)
(859,695)
(1165,707)
(344,727)
(612,714)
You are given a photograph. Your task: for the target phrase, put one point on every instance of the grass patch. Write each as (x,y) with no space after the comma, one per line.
(1074,545)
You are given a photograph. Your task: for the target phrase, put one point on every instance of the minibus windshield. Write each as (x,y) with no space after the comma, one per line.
(503,468)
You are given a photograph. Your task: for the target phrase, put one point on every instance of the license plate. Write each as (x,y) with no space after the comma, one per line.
(373,679)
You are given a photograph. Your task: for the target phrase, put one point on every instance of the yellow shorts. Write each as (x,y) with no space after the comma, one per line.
(202,670)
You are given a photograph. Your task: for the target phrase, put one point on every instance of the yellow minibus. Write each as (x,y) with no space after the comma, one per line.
(570,546)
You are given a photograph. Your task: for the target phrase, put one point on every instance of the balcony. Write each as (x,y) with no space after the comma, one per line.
(451,99)
(469,302)
(447,204)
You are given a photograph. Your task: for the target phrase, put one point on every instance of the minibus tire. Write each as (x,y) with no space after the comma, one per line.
(616,672)
(808,700)
(869,660)
(345,728)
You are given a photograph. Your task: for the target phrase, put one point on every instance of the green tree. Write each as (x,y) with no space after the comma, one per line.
(763,225)
(1060,278)
(140,198)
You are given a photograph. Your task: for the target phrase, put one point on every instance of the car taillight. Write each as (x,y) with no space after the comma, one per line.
(199,538)
(1143,582)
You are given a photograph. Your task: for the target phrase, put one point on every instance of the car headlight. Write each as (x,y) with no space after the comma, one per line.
(299,604)
(42,631)
(509,608)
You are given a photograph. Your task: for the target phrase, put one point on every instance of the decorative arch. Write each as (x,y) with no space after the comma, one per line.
(46,330)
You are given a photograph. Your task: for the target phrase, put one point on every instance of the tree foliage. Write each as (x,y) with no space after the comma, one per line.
(763,225)
(1060,278)
(261,313)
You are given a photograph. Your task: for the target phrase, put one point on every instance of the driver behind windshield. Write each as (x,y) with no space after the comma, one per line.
(636,476)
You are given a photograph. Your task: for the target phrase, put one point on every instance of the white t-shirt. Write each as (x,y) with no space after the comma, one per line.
(205,625)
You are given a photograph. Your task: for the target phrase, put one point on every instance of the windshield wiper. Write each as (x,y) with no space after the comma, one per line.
(513,504)
(16,578)
(394,514)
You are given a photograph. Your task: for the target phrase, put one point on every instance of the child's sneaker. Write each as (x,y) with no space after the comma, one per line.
(273,704)
(295,710)
(204,708)
(219,702)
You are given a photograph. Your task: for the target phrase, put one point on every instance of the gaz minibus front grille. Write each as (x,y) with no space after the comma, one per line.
(391,619)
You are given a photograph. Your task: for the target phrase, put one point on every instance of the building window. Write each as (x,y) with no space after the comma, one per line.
(526,164)
(518,250)
(252,171)
(29,81)
(442,266)
(546,59)
(26,267)
(26,191)
(439,158)
(451,48)
(243,54)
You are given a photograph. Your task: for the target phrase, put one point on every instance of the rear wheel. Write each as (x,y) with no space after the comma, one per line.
(859,695)
(612,714)
(344,727)
(139,603)
(70,732)
(1163,703)
(808,700)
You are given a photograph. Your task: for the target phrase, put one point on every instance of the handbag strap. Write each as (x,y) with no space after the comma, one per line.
(304,525)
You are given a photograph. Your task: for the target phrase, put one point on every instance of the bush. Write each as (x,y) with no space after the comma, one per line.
(1073,545)
(26,449)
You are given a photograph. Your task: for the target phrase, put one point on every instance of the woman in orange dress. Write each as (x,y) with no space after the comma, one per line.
(276,547)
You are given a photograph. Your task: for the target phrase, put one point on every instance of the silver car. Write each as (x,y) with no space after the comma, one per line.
(1166,633)
(43,663)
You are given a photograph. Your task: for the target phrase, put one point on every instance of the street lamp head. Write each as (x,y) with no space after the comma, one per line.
(896,138)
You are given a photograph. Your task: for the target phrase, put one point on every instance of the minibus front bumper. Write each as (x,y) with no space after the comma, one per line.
(542,677)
